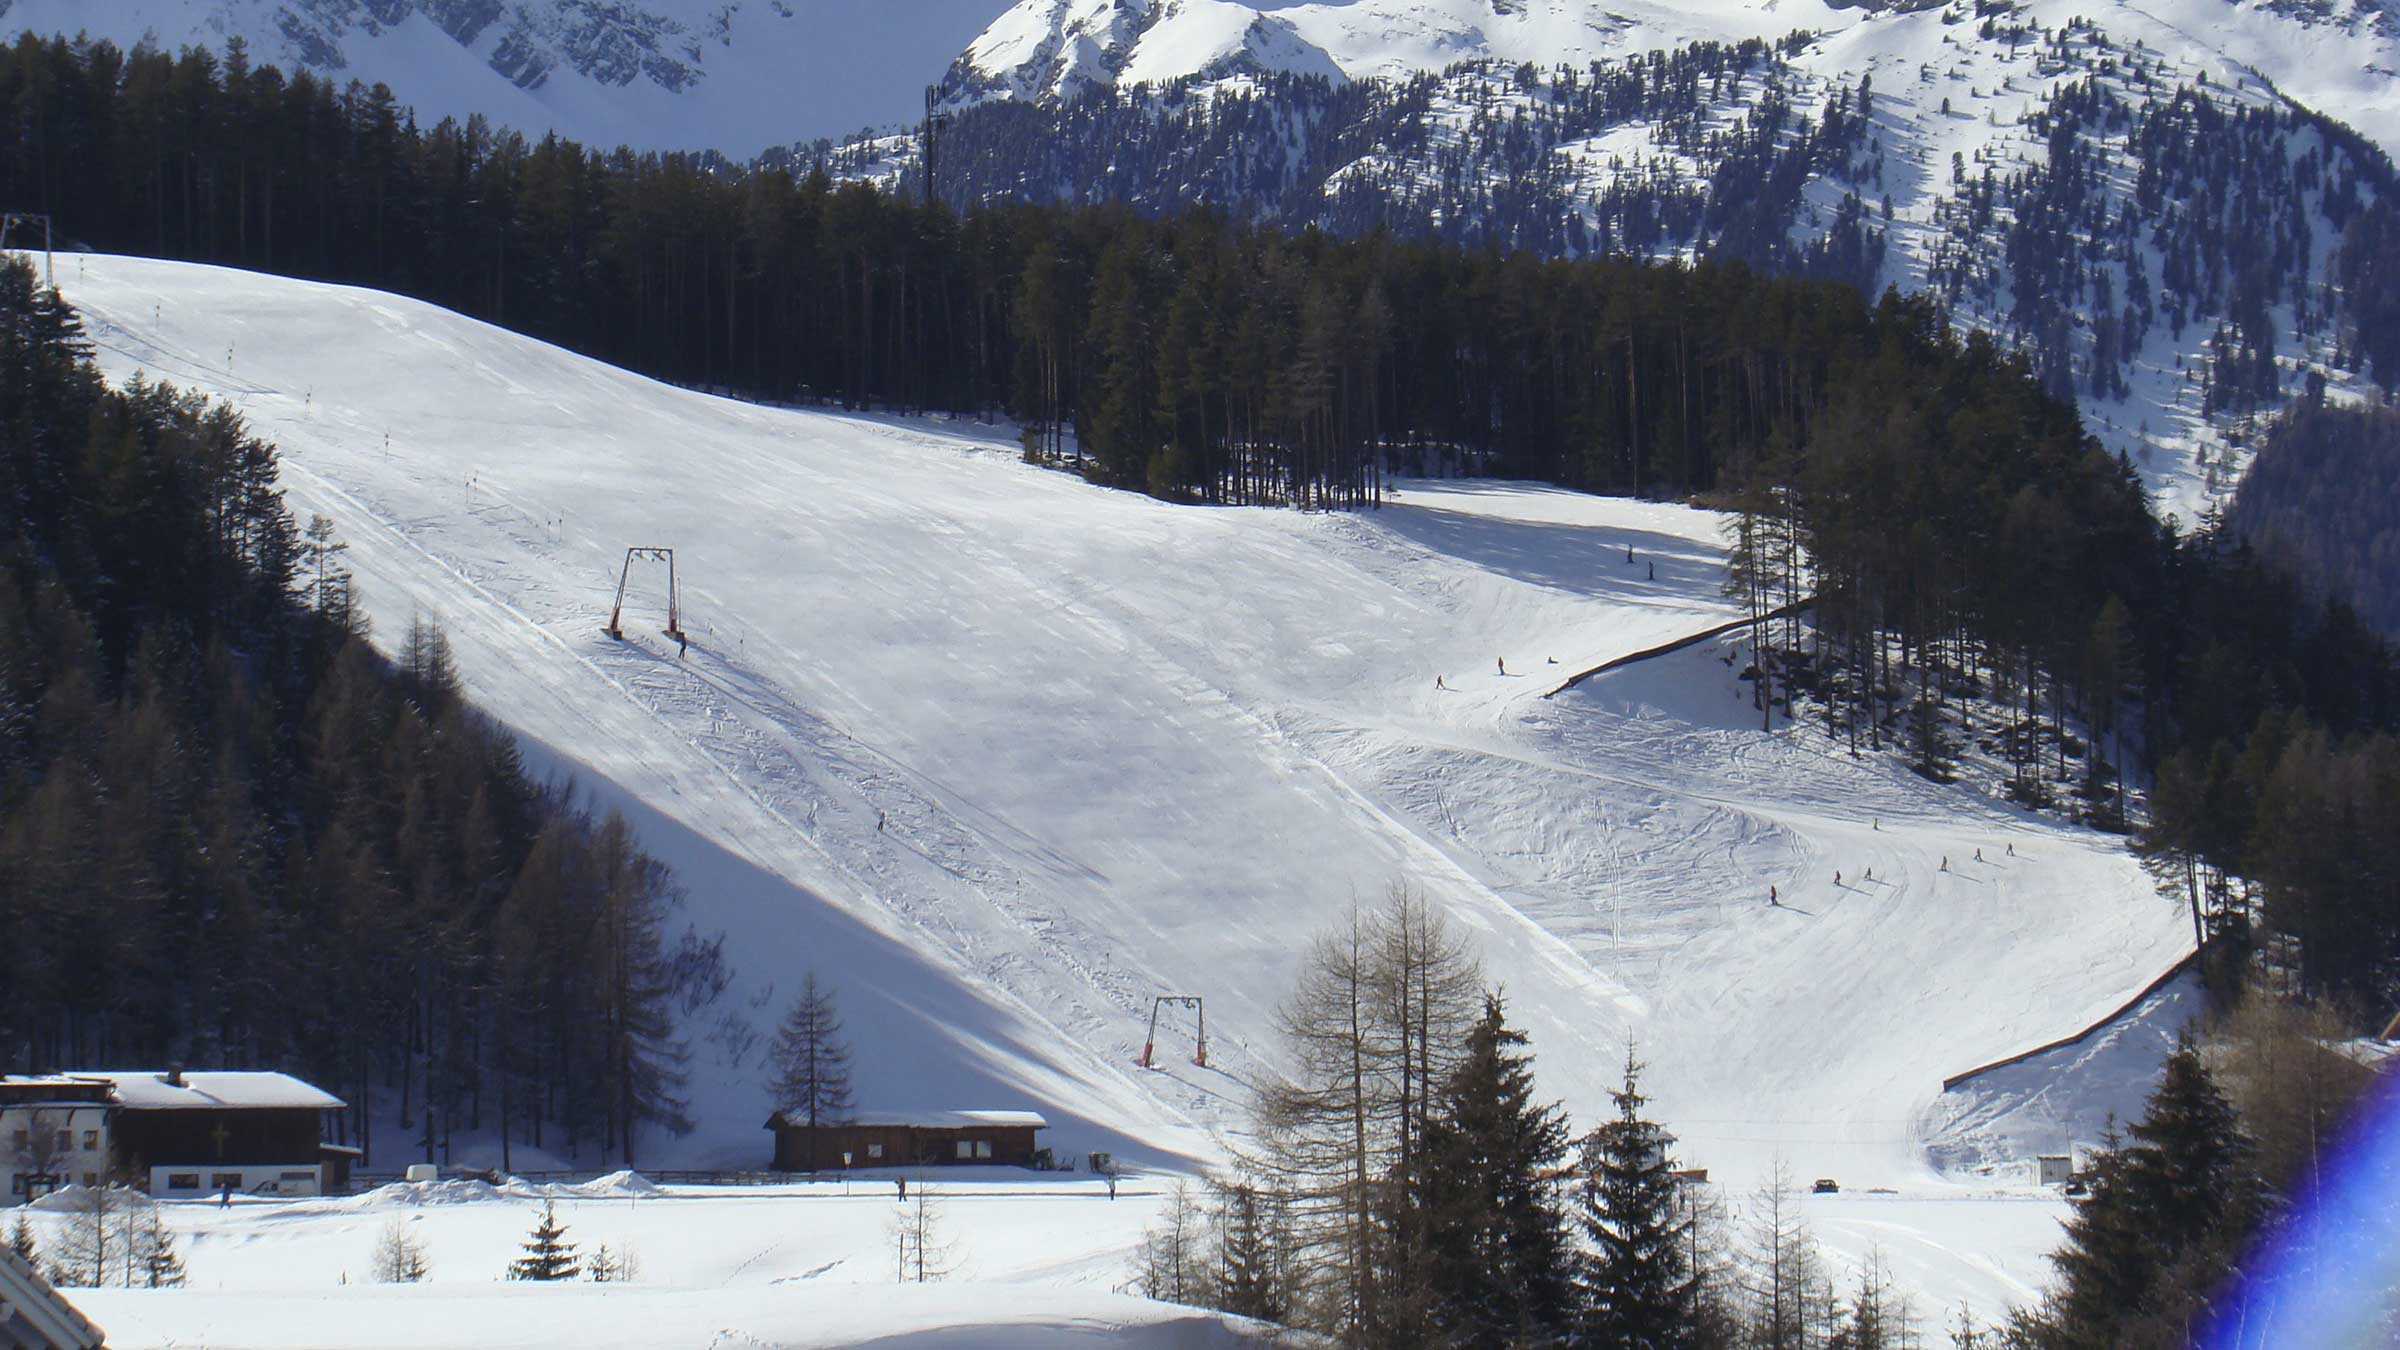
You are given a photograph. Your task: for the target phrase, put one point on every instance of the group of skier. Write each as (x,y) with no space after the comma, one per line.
(1775,894)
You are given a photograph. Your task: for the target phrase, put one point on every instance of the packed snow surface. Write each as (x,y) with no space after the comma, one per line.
(800,1266)
(1003,756)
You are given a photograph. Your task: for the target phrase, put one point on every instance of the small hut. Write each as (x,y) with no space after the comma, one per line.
(908,1139)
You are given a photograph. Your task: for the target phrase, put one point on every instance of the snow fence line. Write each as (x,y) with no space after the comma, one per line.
(1669,648)
(2189,960)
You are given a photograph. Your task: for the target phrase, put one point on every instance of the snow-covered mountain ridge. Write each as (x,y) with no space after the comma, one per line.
(728,75)
(2335,55)
(2126,197)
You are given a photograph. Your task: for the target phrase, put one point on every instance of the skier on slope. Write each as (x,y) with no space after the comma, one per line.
(1503,663)
(1773,899)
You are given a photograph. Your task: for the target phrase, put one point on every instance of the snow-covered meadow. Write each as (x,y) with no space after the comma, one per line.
(1003,756)
(1028,1263)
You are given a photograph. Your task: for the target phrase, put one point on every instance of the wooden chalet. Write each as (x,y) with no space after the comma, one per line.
(909,1139)
(206,1132)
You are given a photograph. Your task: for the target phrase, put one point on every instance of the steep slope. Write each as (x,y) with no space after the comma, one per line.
(2338,55)
(2129,200)
(1005,756)
(733,76)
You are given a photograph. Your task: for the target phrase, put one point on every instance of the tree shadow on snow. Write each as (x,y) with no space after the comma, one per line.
(922,1037)
(1585,560)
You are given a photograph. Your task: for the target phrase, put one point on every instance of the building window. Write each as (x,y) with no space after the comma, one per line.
(983,1148)
(183,1181)
(218,1181)
(966,1150)
(23,1144)
(874,1151)
(16,1184)
(66,1141)
(91,1141)
(91,1178)
(299,1176)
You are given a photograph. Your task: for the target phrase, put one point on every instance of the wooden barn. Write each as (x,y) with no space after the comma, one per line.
(908,1139)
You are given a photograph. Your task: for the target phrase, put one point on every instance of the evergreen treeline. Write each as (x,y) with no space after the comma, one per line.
(1189,355)
(232,835)
(1729,153)
(2322,501)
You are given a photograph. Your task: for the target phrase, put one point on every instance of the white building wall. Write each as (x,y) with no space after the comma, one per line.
(84,1160)
(195,1181)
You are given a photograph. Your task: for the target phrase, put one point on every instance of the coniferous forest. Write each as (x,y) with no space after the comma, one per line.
(233,835)
(1957,530)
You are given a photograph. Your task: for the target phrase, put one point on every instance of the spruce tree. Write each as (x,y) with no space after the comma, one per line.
(1250,1280)
(1496,1233)
(548,1256)
(161,1266)
(2184,1188)
(812,1064)
(1638,1287)
(20,1241)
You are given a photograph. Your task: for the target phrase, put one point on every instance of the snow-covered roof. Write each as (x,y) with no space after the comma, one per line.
(33,1313)
(213,1089)
(948,1120)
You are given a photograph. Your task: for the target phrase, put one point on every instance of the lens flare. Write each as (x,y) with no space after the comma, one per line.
(2326,1275)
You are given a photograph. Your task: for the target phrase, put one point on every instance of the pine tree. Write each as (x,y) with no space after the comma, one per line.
(161,1266)
(1250,1277)
(812,1064)
(20,1241)
(547,1255)
(1638,1287)
(602,1269)
(1495,1232)
(2184,1188)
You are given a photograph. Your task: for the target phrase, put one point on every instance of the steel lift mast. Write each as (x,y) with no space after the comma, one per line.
(1200,1040)
(616,612)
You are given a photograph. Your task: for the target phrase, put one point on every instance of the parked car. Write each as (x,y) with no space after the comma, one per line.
(1826,1186)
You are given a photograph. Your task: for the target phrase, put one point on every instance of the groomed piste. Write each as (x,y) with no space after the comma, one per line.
(1003,756)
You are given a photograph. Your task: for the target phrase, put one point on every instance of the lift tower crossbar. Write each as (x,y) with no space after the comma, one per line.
(1200,1038)
(616,612)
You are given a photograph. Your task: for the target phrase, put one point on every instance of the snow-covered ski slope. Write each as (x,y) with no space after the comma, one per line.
(1003,756)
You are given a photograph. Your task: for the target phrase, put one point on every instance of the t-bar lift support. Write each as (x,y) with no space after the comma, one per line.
(1200,1040)
(674,594)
